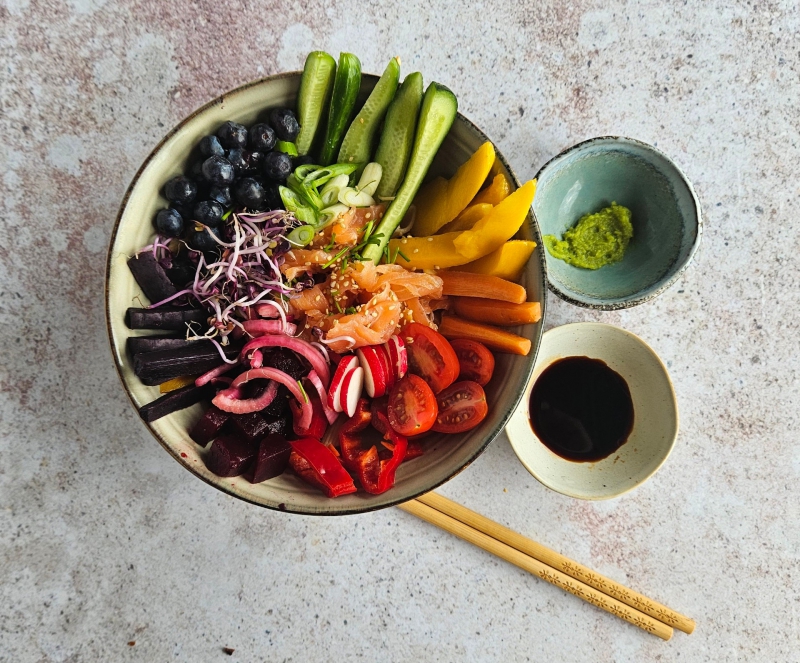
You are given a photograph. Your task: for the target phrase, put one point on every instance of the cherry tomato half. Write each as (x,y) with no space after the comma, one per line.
(412,406)
(475,360)
(462,406)
(430,356)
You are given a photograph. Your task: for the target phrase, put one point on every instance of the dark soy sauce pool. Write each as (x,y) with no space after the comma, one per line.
(581,409)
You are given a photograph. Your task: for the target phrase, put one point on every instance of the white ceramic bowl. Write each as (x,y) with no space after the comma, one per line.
(655,414)
(445,455)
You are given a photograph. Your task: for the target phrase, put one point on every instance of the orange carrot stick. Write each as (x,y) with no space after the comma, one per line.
(468,284)
(504,314)
(496,339)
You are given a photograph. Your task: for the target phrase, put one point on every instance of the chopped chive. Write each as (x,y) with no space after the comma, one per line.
(335,258)
(302,391)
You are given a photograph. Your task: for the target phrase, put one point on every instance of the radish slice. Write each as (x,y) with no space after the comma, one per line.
(351,391)
(398,356)
(388,367)
(375,378)
(346,366)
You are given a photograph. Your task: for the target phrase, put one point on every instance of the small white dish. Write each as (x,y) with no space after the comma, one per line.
(655,414)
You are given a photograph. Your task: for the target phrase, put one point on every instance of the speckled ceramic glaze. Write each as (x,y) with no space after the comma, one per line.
(664,211)
(445,456)
(655,414)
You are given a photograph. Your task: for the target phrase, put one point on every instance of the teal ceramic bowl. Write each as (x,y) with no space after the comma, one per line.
(665,213)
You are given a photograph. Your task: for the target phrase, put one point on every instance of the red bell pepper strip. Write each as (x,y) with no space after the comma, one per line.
(318,425)
(399,445)
(328,473)
(364,463)
(374,474)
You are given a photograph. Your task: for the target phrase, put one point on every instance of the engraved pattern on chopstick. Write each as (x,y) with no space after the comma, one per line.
(667,617)
(620,593)
(597,599)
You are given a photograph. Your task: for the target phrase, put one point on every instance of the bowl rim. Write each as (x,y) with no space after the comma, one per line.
(518,411)
(289,508)
(633,300)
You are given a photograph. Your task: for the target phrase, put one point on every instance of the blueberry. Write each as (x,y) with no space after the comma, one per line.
(250,193)
(220,193)
(255,161)
(302,160)
(272,197)
(202,240)
(277,166)
(218,170)
(240,159)
(180,189)
(232,134)
(196,171)
(208,212)
(169,222)
(262,137)
(210,146)
(285,124)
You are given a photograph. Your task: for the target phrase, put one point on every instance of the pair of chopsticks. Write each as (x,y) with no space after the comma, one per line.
(547,564)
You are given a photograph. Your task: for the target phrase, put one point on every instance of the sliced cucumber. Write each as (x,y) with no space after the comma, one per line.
(397,138)
(345,92)
(314,96)
(359,142)
(438,112)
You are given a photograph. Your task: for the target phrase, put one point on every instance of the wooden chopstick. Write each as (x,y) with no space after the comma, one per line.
(558,562)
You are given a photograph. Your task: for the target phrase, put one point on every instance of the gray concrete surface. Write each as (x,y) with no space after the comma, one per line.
(106,542)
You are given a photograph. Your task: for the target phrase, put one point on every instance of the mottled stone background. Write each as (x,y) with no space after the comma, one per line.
(105,541)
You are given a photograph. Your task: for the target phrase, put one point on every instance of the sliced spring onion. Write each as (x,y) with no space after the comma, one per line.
(286,147)
(370,178)
(297,206)
(301,236)
(354,198)
(328,214)
(322,175)
(330,192)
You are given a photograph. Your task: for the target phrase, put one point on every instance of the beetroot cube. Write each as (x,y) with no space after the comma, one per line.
(272,459)
(279,426)
(231,455)
(252,425)
(209,425)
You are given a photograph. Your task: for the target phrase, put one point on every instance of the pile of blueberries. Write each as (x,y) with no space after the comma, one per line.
(237,168)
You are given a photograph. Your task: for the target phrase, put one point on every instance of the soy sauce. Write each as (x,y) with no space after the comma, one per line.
(581,409)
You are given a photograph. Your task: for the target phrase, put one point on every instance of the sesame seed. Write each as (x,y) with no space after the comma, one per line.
(416,250)
(404,241)
(430,239)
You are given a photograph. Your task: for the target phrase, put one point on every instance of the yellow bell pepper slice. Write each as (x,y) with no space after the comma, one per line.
(434,252)
(441,201)
(500,225)
(468,218)
(458,248)
(498,190)
(507,262)
(175,383)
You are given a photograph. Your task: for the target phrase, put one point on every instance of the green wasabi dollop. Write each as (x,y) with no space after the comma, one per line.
(596,240)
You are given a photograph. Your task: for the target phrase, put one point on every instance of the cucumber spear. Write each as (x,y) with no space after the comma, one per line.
(359,141)
(397,137)
(438,112)
(345,91)
(314,97)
